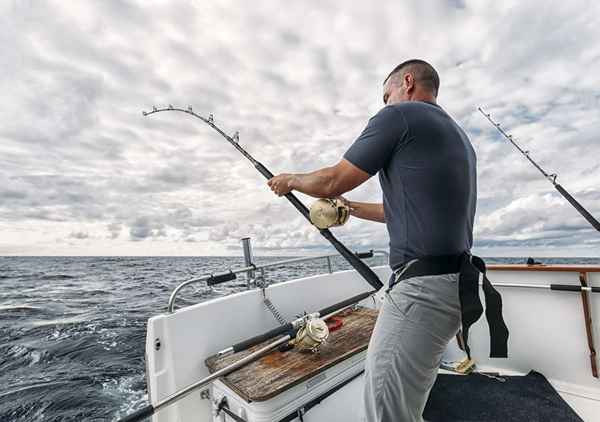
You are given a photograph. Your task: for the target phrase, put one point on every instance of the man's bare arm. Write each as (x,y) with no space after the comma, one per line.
(327,182)
(367,211)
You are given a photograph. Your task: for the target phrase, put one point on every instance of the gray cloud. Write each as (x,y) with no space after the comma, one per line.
(144,227)
(114,230)
(79,235)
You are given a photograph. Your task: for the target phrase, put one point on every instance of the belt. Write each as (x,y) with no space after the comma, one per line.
(469,268)
(429,265)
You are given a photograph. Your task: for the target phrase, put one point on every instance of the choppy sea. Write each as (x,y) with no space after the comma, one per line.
(72,328)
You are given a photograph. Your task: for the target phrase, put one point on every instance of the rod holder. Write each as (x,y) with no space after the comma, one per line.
(248,257)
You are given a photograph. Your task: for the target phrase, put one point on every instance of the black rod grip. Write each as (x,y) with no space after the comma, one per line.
(565,287)
(143,413)
(220,278)
(344,303)
(263,170)
(243,345)
(578,207)
(363,255)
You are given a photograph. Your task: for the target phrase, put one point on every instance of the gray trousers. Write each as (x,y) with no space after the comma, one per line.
(418,318)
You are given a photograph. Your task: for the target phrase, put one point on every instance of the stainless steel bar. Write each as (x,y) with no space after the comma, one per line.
(246,269)
(523,285)
(308,258)
(329,265)
(171,306)
(222,372)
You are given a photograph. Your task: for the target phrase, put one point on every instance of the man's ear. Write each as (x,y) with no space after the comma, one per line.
(409,81)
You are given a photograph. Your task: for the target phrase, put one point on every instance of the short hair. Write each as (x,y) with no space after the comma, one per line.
(423,72)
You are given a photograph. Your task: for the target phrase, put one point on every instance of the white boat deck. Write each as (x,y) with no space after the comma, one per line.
(547,334)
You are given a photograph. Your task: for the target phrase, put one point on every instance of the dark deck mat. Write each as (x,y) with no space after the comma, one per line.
(479,398)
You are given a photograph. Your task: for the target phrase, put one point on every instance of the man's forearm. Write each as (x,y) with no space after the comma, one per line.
(367,211)
(319,184)
(327,182)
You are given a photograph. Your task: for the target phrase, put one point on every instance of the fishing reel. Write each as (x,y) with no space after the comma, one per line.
(311,335)
(325,213)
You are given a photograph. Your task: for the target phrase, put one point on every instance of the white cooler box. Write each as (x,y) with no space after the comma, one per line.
(344,404)
(325,386)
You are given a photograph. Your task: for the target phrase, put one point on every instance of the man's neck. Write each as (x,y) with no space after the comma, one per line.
(427,98)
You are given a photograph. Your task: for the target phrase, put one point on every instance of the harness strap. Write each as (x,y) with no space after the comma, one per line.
(469,267)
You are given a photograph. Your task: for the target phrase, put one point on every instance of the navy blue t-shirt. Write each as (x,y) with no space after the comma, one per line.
(427,171)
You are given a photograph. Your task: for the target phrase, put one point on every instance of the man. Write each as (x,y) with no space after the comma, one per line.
(426,167)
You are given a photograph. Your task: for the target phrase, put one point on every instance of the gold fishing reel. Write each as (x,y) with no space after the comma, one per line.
(313,334)
(325,213)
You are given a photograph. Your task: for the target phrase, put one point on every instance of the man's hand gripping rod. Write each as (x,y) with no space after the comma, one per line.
(352,259)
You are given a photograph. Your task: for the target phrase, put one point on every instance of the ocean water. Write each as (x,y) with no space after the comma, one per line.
(72,329)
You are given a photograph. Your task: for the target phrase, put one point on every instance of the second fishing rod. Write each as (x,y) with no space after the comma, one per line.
(550,177)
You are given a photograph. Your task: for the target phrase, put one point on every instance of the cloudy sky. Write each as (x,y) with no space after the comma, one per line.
(82,172)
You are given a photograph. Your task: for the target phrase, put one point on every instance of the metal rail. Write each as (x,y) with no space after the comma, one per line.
(253,268)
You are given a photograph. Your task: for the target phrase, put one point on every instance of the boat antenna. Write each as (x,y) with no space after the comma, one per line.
(551,177)
(362,268)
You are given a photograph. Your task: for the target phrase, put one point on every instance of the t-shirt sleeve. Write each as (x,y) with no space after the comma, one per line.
(376,144)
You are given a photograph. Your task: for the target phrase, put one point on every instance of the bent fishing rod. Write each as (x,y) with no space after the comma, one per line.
(550,177)
(290,331)
(362,268)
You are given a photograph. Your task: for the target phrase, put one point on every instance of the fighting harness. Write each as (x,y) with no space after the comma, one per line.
(469,268)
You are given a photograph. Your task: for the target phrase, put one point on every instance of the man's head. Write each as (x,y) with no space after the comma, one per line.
(412,80)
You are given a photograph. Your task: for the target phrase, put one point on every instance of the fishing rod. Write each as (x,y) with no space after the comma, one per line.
(293,326)
(362,268)
(551,177)
(290,334)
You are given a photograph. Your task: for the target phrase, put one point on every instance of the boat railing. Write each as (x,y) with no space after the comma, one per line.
(251,270)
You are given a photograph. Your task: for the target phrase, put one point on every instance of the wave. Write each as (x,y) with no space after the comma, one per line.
(75,319)
(56,277)
(19,308)
(19,389)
